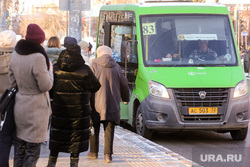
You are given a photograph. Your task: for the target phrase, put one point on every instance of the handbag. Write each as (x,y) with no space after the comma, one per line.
(7,103)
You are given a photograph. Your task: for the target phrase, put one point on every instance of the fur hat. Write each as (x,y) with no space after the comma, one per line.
(83,44)
(104,50)
(7,39)
(69,40)
(35,34)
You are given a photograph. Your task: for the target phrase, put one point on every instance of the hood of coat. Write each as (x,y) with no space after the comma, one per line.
(105,61)
(71,58)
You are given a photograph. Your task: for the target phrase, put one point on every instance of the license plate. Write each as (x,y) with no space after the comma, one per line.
(202,110)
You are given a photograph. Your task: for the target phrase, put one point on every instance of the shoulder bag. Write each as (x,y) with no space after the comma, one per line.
(7,103)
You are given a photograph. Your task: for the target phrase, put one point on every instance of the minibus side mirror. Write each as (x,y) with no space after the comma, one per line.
(246,61)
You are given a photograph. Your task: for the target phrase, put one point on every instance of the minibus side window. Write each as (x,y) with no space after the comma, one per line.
(123,44)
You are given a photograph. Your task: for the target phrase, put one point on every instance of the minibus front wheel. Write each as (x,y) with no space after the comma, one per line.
(239,134)
(140,125)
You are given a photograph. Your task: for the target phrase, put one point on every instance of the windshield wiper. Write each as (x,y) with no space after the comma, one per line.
(159,65)
(208,65)
(221,65)
(200,65)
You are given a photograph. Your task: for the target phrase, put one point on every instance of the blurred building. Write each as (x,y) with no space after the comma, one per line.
(240,14)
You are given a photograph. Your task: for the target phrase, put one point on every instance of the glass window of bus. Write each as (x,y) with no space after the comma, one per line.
(123,43)
(101,33)
(112,17)
(187,40)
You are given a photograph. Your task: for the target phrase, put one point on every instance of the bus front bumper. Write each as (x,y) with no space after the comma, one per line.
(163,115)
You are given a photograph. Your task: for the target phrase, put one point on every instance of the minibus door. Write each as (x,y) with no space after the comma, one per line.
(121,38)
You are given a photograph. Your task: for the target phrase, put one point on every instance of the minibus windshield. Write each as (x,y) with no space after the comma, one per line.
(187,40)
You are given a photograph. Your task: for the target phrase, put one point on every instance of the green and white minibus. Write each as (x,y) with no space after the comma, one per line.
(182,64)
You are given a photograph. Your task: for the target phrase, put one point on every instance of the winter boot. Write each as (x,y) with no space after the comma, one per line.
(74,162)
(92,155)
(108,158)
(52,161)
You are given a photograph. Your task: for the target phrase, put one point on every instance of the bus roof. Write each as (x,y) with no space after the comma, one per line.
(169,7)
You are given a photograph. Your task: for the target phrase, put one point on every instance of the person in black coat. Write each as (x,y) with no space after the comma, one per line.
(73,83)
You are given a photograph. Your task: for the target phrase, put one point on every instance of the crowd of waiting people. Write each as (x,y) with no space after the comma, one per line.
(61,89)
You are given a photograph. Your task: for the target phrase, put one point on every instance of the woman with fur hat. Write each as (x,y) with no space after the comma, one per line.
(69,40)
(85,47)
(7,44)
(32,72)
(85,51)
(114,89)
(73,83)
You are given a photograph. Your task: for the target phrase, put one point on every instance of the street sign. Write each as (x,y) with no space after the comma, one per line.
(82,5)
(64,5)
(75,8)
(244,34)
(236,14)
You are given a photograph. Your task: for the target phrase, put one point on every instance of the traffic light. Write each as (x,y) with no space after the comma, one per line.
(242,25)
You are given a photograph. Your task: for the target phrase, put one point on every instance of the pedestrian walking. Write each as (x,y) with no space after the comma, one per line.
(114,89)
(85,51)
(32,72)
(90,48)
(7,45)
(73,83)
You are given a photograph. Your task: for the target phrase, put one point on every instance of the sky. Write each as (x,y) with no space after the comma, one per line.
(31,2)
(27,4)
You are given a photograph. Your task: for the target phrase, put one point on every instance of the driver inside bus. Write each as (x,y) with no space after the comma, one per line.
(203,53)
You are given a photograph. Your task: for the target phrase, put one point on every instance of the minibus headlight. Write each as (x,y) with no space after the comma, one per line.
(158,89)
(240,89)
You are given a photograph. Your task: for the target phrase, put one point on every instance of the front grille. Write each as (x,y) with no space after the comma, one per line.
(202,117)
(190,97)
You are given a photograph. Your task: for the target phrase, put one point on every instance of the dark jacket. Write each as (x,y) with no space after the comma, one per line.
(73,82)
(114,88)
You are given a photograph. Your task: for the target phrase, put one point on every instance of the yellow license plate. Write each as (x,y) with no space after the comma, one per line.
(202,110)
